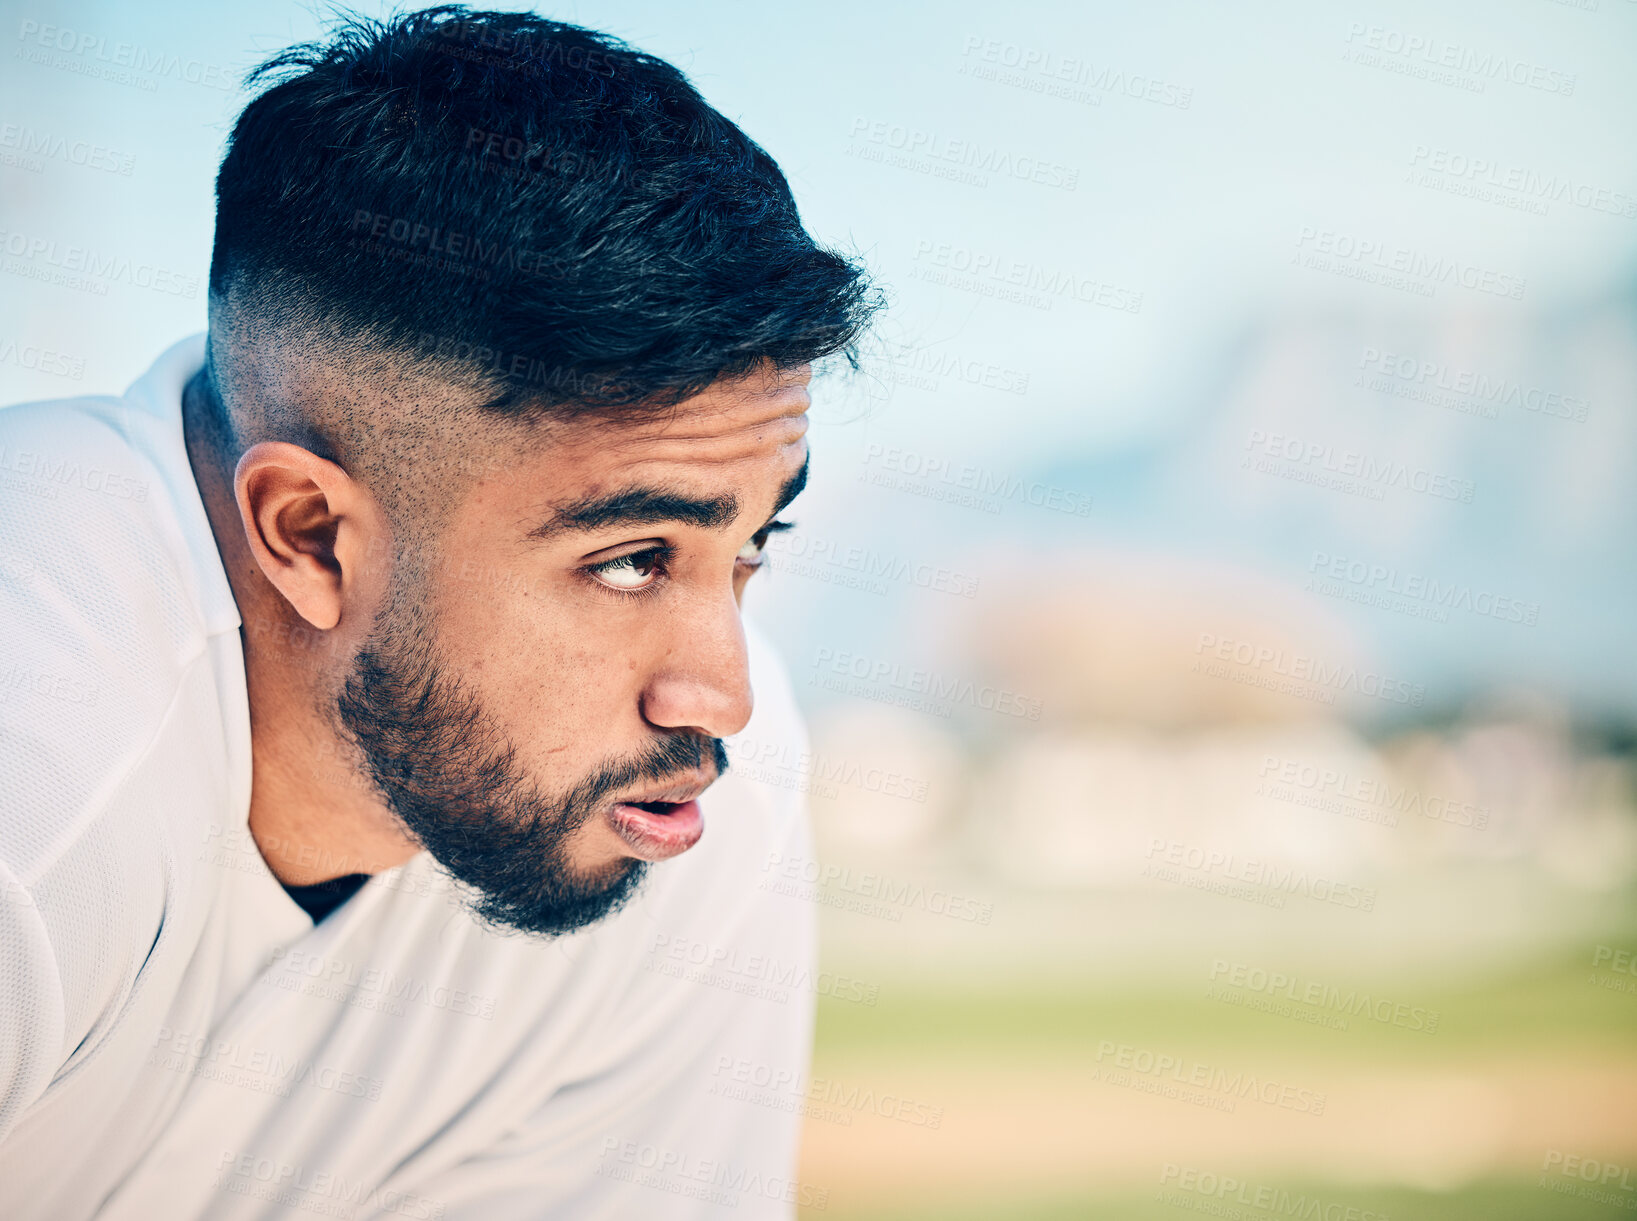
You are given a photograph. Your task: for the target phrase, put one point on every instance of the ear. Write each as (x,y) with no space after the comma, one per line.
(309,525)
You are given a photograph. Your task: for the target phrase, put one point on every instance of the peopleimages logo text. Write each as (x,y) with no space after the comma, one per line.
(1350,1002)
(870,885)
(1436,53)
(1302,668)
(1055,68)
(31,142)
(946,689)
(1282,879)
(1345,250)
(100,267)
(1178,1068)
(987,265)
(980,481)
(1351,464)
(1528,183)
(1428,375)
(1321,781)
(58,470)
(1222,1195)
(969,154)
(1447,595)
(96,48)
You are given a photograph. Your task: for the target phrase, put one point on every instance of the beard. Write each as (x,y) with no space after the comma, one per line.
(450,775)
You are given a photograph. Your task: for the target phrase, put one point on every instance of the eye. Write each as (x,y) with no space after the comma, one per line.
(629,573)
(754,553)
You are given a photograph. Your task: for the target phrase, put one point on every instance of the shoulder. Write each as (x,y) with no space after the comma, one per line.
(88,538)
(94,590)
(105,647)
(94,571)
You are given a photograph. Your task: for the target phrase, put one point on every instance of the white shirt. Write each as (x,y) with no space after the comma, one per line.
(177,1039)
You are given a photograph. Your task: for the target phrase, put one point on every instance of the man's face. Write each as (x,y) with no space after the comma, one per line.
(543,703)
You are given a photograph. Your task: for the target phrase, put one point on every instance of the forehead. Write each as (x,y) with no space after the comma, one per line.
(733,429)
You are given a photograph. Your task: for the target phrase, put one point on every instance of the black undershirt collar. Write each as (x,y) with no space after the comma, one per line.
(322,898)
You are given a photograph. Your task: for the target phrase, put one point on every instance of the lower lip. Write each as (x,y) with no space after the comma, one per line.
(658,837)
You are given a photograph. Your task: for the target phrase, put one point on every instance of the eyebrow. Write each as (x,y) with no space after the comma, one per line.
(647,506)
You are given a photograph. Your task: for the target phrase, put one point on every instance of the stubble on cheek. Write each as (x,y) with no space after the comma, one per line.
(564,706)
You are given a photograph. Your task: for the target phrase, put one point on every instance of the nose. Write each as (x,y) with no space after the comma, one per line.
(702,681)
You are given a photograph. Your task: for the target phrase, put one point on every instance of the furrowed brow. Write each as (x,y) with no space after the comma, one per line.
(656,506)
(638,507)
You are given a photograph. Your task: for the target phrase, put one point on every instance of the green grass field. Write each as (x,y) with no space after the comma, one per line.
(1537,1059)
(1550,1002)
(1499,1200)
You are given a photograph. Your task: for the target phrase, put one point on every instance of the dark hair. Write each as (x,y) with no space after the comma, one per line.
(529,200)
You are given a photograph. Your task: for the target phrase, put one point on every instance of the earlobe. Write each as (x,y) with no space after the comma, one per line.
(300,513)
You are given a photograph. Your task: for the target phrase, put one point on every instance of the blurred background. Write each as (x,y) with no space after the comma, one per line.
(1214,598)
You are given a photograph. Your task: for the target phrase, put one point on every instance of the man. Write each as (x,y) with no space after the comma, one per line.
(365,661)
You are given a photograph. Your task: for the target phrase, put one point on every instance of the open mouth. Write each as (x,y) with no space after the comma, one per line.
(657,830)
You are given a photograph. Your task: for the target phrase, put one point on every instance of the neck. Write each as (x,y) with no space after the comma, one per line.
(314,813)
